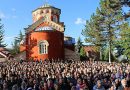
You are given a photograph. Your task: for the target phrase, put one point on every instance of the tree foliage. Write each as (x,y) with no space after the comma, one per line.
(112,13)
(125,3)
(125,39)
(103,27)
(16,44)
(79,45)
(15,47)
(94,32)
(2,34)
(83,55)
(82,52)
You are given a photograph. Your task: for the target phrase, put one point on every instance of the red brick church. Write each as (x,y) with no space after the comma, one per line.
(44,39)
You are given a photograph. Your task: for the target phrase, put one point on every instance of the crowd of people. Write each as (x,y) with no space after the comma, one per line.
(75,75)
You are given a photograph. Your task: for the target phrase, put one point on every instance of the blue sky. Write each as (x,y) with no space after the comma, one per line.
(16,15)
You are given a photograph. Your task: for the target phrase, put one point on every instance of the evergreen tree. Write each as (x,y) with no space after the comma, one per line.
(104,26)
(20,37)
(16,44)
(1,35)
(94,32)
(82,52)
(125,39)
(112,13)
(79,45)
(15,47)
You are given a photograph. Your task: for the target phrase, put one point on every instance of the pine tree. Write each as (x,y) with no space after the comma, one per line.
(79,45)
(82,52)
(1,35)
(125,39)
(94,32)
(15,47)
(16,44)
(112,13)
(104,26)
(20,37)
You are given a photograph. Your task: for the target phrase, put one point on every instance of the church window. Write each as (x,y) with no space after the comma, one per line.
(43,47)
(47,11)
(41,12)
(52,12)
(55,18)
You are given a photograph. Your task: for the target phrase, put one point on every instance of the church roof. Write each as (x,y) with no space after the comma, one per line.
(46,6)
(2,55)
(34,25)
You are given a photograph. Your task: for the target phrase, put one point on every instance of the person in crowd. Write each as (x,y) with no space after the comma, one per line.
(98,86)
(116,85)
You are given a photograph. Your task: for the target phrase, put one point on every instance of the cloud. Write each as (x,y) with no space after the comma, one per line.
(8,16)
(80,21)
(2,15)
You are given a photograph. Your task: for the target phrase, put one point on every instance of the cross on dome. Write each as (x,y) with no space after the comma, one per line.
(46,4)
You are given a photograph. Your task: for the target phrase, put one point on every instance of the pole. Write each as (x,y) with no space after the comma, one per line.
(109,52)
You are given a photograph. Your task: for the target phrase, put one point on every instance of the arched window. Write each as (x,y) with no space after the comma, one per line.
(47,11)
(43,47)
(55,18)
(41,12)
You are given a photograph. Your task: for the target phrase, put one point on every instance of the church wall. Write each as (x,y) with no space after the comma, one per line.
(55,48)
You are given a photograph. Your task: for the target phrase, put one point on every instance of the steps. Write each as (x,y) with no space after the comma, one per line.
(71,55)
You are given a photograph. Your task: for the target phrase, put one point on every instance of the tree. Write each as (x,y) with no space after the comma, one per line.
(15,47)
(82,53)
(20,37)
(79,45)
(125,39)
(93,32)
(112,13)
(104,26)
(16,44)
(123,43)
(1,34)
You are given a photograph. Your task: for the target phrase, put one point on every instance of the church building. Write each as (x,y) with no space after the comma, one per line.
(44,39)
